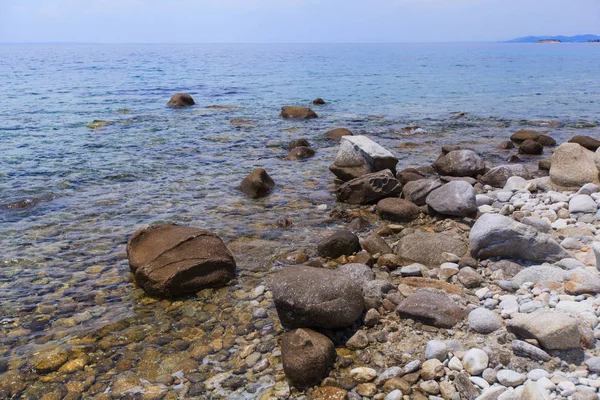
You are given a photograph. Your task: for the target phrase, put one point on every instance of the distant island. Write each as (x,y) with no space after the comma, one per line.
(556,39)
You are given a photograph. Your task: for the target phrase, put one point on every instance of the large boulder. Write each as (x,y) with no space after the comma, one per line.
(343,242)
(181,100)
(397,209)
(495,235)
(359,155)
(307,297)
(336,134)
(455,198)
(460,163)
(553,331)
(431,307)
(417,191)
(296,112)
(586,141)
(497,176)
(369,188)
(306,356)
(170,260)
(427,247)
(257,184)
(573,166)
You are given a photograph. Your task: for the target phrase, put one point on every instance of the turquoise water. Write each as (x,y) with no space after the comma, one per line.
(89,152)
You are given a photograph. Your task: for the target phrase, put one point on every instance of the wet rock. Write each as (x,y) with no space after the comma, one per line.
(296,112)
(342,242)
(369,188)
(374,244)
(573,166)
(554,331)
(482,320)
(257,184)
(300,153)
(336,134)
(460,163)
(525,134)
(427,247)
(169,260)
(398,210)
(418,190)
(506,145)
(531,147)
(455,198)
(316,298)
(495,235)
(497,176)
(306,356)
(409,175)
(318,101)
(181,100)
(49,361)
(359,155)
(431,307)
(586,141)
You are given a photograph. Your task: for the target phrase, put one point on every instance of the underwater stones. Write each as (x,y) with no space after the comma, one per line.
(554,331)
(49,361)
(306,356)
(300,152)
(497,176)
(342,242)
(427,248)
(336,134)
(459,163)
(181,100)
(316,298)
(573,166)
(531,147)
(296,112)
(169,260)
(495,235)
(369,188)
(431,307)
(397,209)
(359,155)
(456,198)
(586,141)
(257,184)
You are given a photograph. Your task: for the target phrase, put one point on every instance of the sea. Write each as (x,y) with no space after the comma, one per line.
(89,153)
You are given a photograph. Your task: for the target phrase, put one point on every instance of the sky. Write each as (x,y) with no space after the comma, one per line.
(291,21)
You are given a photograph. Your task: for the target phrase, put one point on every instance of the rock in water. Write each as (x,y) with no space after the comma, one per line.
(181,100)
(336,134)
(257,184)
(316,298)
(359,155)
(586,141)
(531,147)
(396,209)
(498,176)
(343,242)
(495,235)
(418,190)
(460,163)
(169,260)
(573,166)
(296,112)
(300,152)
(306,356)
(369,188)
(554,331)
(427,248)
(454,198)
(318,101)
(432,307)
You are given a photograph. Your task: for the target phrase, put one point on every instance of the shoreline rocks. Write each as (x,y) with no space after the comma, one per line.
(358,156)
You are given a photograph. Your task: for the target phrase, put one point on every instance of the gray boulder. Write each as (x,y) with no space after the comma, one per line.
(460,163)
(455,198)
(417,191)
(369,188)
(359,155)
(360,273)
(497,176)
(316,298)
(495,235)
(573,166)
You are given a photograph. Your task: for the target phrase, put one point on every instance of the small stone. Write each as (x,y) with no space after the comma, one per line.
(432,369)
(358,341)
(394,395)
(436,349)
(372,317)
(510,378)
(363,374)
(455,364)
(475,361)
(412,270)
(366,389)
(482,320)
(537,374)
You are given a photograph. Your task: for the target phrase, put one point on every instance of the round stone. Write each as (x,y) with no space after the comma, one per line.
(482,320)
(475,361)
(436,349)
(510,378)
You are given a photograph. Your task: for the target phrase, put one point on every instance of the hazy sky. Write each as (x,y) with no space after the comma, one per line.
(292,20)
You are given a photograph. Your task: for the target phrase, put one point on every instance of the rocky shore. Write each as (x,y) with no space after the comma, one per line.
(454,280)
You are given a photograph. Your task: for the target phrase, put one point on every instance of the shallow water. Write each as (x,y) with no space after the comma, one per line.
(90,153)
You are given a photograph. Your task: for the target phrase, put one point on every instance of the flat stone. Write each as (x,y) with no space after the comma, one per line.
(554,331)
(427,247)
(431,307)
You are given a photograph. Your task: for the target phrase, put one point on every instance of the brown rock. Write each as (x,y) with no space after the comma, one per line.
(470,278)
(507,145)
(330,393)
(432,308)
(342,242)
(318,101)
(408,175)
(336,134)
(545,164)
(531,147)
(397,209)
(299,153)
(374,244)
(586,141)
(181,100)
(296,112)
(298,143)
(427,247)
(426,283)
(257,184)
(306,356)
(369,188)
(169,260)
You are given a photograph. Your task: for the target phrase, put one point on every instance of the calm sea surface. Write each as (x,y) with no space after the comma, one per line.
(89,152)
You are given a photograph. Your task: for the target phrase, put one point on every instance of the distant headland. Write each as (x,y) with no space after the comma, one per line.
(556,39)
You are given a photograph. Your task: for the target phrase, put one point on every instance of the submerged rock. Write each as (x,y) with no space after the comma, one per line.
(316,298)
(495,235)
(257,184)
(296,112)
(318,101)
(306,356)
(181,100)
(300,152)
(169,260)
(336,134)
(531,147)
(369,188)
